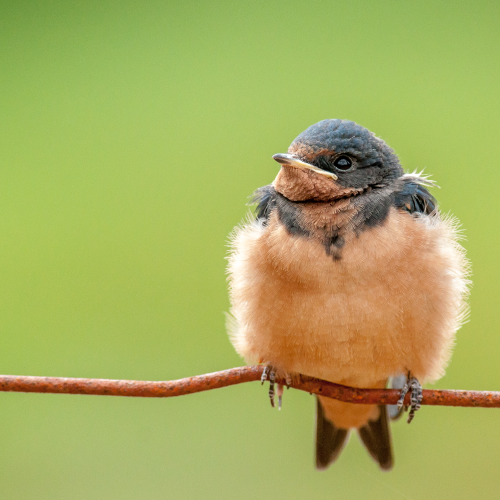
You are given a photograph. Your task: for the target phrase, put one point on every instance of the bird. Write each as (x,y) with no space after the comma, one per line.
(349,273)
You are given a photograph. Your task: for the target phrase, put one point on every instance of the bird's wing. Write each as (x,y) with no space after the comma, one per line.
(413,195)
(265,199)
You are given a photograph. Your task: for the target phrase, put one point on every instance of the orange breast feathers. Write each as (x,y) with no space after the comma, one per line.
(392,303)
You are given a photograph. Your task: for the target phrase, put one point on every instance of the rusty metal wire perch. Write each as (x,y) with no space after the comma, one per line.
(200,383)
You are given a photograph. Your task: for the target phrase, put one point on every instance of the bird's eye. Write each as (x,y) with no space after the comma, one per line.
(343,163)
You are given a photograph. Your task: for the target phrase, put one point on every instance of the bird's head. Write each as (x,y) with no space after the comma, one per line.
(335,159)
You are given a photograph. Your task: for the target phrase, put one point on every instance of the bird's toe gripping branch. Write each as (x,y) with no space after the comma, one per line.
(270,372)
(413,386)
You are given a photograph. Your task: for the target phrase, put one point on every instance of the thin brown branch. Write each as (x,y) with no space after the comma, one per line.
(200,383)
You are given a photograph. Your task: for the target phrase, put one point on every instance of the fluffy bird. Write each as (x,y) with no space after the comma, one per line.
(349,274)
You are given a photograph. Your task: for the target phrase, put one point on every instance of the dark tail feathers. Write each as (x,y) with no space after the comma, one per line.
(375,435)
(329,439)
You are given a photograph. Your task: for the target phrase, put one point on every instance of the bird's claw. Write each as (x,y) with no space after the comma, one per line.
(413,386)
(263,378)
(272,377)
(270,373)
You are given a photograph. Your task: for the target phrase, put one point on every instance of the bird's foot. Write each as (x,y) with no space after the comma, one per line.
(413,386)
(270,373)
(265,372)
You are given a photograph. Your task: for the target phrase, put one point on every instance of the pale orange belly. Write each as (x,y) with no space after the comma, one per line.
(392,303)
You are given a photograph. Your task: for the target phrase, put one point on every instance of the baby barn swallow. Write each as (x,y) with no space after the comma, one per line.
(348,274)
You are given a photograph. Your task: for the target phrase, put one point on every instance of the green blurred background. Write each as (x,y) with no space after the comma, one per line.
(131,134)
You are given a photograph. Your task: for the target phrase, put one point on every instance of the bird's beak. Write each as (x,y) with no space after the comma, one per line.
(292,161)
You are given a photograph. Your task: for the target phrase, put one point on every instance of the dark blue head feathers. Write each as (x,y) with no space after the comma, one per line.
(372,161)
